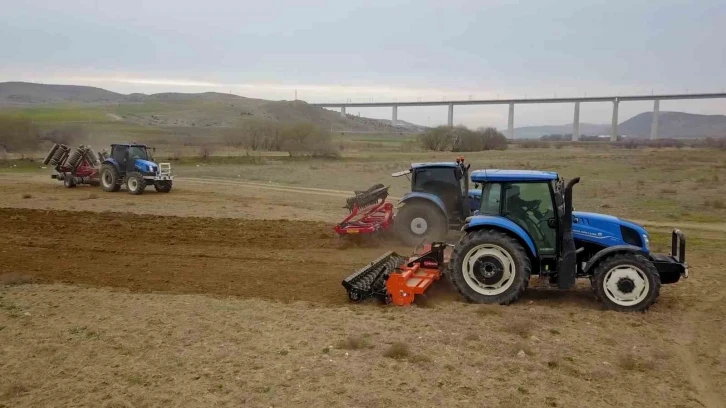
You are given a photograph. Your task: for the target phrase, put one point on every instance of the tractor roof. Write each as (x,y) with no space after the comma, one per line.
(436,164)
(494,175)
(128,144)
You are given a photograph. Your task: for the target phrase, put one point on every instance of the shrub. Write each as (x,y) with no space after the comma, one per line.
(462,139)
(305,139)
(438,139)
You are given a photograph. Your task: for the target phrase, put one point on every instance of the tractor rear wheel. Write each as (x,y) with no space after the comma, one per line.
(626,282)
(417,222)
(489,266)
(163,186)
(109,178)
(135,183)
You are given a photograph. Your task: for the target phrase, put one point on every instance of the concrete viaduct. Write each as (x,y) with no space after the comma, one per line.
(511,102)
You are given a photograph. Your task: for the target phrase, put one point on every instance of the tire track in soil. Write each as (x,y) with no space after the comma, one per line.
(278,260)
(685,339)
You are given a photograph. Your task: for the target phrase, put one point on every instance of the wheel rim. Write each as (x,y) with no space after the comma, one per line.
(489,269)
(133,184)
(626,285)
(107,179)
(419,226)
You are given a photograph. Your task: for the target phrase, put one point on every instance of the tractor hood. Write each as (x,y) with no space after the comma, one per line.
(145,166)
(607,230)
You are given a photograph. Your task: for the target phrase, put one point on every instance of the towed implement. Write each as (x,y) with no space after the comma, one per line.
(74,166)
(369,212)
(397,279)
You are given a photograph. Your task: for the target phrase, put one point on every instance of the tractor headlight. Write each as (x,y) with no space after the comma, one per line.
(646,242)
(151,169)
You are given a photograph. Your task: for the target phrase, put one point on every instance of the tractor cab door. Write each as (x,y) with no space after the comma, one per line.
(442,182)
(531,206)
(120,154)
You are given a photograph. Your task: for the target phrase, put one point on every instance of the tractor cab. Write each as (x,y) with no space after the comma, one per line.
(439,200)
(132,157)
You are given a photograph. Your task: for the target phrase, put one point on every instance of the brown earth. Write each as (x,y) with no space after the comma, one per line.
(138,326)
(279,260)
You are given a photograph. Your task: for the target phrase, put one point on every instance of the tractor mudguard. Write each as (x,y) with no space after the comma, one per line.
(609,251)
(424,196)
(483,221)
(113,162)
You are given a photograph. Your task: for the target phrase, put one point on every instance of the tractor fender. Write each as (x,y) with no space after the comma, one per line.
(415,196)
(486,221)
(113,162)
(602,254)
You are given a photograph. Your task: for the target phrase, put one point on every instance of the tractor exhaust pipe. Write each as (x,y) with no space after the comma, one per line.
(567,269)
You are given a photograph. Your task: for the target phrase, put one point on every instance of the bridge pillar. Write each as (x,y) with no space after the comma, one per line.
(654,125)
(614,126)
(510,122)
(342,111)
(576,123)
(394,118)
(451,115)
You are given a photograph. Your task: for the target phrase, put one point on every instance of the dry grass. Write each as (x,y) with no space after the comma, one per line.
(27,196)
(716,203)
(353,343)
(12,278)
(519,327)
(635,362)
(398,351)
(489,310)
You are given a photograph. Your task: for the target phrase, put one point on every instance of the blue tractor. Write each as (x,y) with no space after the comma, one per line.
(525,225)
(132,165)
(439,201)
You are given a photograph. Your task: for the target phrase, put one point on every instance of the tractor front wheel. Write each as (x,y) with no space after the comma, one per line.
(163,186)
(135,183)
(626,282)
(489,266)
(417,222)
(109,178)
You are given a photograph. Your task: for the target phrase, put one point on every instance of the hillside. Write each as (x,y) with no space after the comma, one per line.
(675,125)
(195,110)
(670,125)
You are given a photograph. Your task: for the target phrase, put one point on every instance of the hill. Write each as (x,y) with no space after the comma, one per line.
(676,125)
(198,110)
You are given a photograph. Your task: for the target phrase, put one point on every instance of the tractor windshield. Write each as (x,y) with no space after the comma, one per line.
(138,152)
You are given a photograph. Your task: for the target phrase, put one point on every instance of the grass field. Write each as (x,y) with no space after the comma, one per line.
(213,307)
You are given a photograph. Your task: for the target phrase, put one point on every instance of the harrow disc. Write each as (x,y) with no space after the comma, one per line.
(367,198)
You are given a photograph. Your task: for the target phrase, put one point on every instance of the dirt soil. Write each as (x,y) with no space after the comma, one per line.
(207,308)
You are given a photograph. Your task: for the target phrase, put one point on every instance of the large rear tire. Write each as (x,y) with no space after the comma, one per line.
(417,222)
(163,186)
(109,178)
(626,282)
(489,266)
(135,183)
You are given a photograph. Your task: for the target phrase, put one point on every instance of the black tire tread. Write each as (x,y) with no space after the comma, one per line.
(116,186)
(142,182)
(507,242)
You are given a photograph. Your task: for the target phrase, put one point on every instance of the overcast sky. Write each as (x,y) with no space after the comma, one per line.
(366,50)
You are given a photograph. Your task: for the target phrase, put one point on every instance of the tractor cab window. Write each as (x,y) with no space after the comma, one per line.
(442,182)
(119,153)
(138,152)
(490,199)
(530,206)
